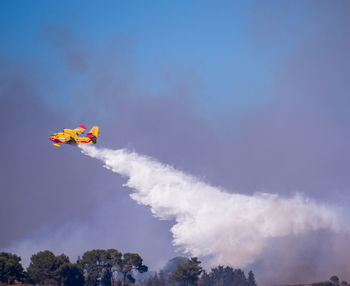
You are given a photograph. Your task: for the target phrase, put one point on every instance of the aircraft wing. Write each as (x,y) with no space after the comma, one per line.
(80,129)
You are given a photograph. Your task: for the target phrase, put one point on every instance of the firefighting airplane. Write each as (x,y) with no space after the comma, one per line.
(69,136)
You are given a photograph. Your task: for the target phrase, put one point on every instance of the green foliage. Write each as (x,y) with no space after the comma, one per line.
(10,268)
(129,262)
(69,274)
(188,271)
(225,276)
(42,267)
(97,263)
(164,278)
(101,264)
(46,268)
(172,263)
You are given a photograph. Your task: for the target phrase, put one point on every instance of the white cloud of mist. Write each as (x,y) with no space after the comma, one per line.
(226,228)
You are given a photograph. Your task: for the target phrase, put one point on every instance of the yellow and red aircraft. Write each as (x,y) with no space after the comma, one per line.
(69,136)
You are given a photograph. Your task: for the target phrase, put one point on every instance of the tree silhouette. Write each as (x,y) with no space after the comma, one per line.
(128,263)
(70,275)
(251,279)
(187,272)
(43,266)
(225,276)
(10,268)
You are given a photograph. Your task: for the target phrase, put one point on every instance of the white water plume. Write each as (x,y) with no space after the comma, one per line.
(229,229)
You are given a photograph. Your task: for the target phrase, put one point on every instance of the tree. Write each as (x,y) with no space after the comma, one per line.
(334,279)
(112,258)
(163,278)
(59,261)
(70,275)
(224,276)
(172,263)
(218,276)
(251,279)
(94,265)
(206,279)
(46,268)
(187,272)
(10,268)
(42,267)
(101,264)
(128,263)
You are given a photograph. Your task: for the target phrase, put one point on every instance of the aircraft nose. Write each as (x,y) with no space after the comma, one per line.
(52,138)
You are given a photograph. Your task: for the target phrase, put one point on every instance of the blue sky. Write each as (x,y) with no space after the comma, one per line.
(217,41)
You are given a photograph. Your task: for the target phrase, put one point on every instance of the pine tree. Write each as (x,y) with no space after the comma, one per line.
(251,279)
(187,272)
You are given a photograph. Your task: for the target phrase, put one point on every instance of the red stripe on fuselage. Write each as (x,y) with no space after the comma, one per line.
(53,139)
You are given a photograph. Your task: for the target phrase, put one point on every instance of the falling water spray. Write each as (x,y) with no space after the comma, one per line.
(227,228)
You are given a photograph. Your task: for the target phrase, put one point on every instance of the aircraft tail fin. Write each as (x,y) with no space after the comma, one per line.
(93,134)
